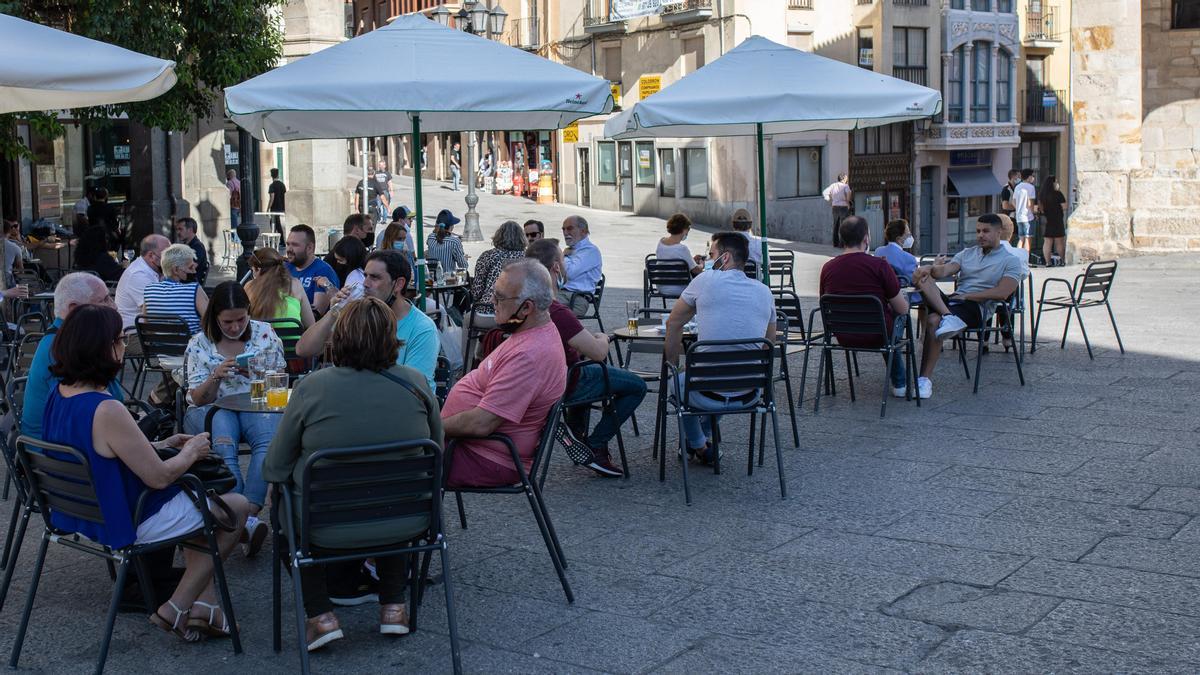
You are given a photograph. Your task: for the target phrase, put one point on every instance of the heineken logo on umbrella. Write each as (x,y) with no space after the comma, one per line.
(578,100)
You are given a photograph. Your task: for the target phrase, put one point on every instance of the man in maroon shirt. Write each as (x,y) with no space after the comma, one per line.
(856,272)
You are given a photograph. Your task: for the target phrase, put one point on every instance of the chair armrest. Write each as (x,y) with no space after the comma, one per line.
(898,326)
(579,365)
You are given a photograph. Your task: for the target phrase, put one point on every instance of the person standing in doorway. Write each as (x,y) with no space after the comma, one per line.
(275,201)
(235,198)
(455,166)
(1024,201)
(838,194)
(1054,236)
(383,190)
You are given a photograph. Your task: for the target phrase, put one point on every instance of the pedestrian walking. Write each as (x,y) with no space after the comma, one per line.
(1054,233)
(838,194)
(235,198)
(455,166)
(383,191)
(275,200)
(1025,201)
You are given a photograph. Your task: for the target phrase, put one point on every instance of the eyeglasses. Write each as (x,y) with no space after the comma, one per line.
(498,298)
(532,235)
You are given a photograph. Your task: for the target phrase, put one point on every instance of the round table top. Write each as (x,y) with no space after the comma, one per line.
(45,295)
(241,403)
(650,332)
(449,287)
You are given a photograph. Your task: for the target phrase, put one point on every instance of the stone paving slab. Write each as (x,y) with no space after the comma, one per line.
(1095,583)
(1182,499)
(988,534)
(1135,631)
(954,605)
(984,652)
(1101,490)
(1103,518)
(1151,555)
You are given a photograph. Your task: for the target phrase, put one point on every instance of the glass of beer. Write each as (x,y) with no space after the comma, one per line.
(632,308)
(258,385)
(277,390)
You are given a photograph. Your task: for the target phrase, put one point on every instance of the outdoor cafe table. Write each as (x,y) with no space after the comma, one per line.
(438,290)
(238,403)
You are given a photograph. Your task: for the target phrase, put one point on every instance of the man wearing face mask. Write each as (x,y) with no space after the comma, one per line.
(140,274)
(513,389)
(856,272)
(385,276)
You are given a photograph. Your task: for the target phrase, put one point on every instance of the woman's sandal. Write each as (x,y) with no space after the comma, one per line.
(209,627)
(185,633)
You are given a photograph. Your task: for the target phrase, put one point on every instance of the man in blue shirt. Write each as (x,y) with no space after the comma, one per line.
(319,280)
(73,290)
(385,276)
(583,260)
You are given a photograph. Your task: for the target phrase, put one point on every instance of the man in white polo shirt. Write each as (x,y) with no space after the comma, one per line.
(142,272)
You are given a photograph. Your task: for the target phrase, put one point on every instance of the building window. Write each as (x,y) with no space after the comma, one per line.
(1003,86)
(606,159)
(1185,14)
(644,170)
(956,4)
(866,48)
(666,160)
(908,55)
(981,5)
(1039,155)
(883,140)
(797,172)
(693,55)
(1004,6)
(981,76)
(954,110)
(695,172)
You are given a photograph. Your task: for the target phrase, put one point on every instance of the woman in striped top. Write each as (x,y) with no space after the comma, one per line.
(444,246)
(175,295)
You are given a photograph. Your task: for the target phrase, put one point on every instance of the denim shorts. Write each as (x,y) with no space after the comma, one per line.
(1025,228)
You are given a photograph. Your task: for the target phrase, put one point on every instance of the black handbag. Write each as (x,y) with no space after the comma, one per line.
(210,469)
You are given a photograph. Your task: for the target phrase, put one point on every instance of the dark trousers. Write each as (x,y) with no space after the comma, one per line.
(315,581)
(839,214)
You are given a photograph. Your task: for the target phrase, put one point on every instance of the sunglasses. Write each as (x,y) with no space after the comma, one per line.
(532,235)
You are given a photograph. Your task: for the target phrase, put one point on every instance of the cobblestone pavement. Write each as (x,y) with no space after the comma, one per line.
(1045,528)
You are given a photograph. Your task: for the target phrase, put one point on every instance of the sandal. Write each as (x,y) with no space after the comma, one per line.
(209,627)
(185,633)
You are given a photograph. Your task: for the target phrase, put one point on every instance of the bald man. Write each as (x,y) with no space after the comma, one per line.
(141,273)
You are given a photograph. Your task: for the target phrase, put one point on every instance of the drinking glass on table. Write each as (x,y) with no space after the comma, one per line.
(632,308)
(277,390)
(258,385)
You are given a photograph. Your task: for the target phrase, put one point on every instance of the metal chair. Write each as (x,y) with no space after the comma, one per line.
(60,479)
(861,316)
(1000,325)
(1089,289)
(14,402)
(162,336)
(663,273)
(592,300)
(530,486)
(751,269)
(376,485)
(781,265)
(603,402)
(715,366)
(289,332)
(21,354)
(782,345)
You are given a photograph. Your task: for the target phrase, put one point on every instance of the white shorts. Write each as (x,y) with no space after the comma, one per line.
(177,517)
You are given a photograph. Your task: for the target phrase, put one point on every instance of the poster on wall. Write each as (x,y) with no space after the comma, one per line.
(644,159)
(621,10)
(649,85)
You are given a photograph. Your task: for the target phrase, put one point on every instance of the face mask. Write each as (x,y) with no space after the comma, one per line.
(399,245)
(684,237)
(235,338)
(708,265)
(368,240)
(908,242)
(513,323)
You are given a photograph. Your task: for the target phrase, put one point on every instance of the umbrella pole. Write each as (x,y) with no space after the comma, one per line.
(762,205)
(416,152)
(366,208)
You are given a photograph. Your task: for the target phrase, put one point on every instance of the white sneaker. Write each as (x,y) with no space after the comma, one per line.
(949,327)
(899,392)
(924,387)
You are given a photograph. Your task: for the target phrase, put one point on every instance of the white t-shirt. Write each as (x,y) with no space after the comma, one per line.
(1023,197)
(131,290)
(755,247)
(729,305)
(674,252)
(1021,255)
(838,194)
(12,251)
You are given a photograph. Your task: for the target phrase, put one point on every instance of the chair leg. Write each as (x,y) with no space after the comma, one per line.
(1087,343)
(750,451)
(1020,372)
(462,510)
(1067,325)
(550,545)
(804,378)
(822,376)
(762,438)
(850,373)
(778,452)
(144,581)
(887,382)
(787,387)
(7,488)
(620,449)
(854,358)
(421,588)
(1111,318)
(276,599)
(223,592)
(981,343)
(1036,320)
(683,461)
(33,586)
(961,343)
(541,503)
(636,431)
(17,508)
(14,552)
(451,619)
(301,633)
(113,606)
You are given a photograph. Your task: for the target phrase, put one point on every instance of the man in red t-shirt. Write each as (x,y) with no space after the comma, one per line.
(856,272)
(512,391)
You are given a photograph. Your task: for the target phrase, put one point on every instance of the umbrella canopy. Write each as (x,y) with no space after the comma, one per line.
(42,68)
(455,81)
(783,89)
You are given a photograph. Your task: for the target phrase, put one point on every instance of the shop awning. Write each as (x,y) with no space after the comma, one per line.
(974,182)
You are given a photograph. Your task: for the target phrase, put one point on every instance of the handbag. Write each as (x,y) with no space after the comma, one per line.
(210,469)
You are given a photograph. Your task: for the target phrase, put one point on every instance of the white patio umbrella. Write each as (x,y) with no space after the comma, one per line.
(42,68)
(761,87)
(410,76)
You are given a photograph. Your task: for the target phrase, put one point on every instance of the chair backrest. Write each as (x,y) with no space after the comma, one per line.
(781,265)
(860,315)
(33,322)
(62,483)
(443,376)
(788,304)
(751,269)
(22,355)
(378,485)
(162,334)
(289,332)
(1098,277)
(541,455)
(728,365)
(599,293)
(14,395)
(672,272)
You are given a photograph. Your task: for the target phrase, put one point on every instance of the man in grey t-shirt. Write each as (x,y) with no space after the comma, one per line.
(987,274)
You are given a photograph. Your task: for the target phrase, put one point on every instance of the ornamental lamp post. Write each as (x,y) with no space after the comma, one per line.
(476,18)
(441,15)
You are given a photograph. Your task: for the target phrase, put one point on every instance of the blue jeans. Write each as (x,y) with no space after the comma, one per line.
(455,176)
(698,429)
(235,218)
(628,389)
(381,206)
(228,430)
(899,374)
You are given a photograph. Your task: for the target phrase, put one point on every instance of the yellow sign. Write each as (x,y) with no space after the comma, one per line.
(648,85)
(616,92)
(570,133)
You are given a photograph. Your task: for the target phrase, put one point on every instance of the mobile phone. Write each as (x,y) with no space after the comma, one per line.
(243,360)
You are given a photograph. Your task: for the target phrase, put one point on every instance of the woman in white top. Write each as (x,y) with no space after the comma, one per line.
(671,247)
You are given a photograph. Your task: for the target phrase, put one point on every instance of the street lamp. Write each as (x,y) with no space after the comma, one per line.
(497,17)
(477,18)
(441,15)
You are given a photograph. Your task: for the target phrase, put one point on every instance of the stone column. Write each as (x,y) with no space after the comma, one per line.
(946,64)
(968,77)
(993,81)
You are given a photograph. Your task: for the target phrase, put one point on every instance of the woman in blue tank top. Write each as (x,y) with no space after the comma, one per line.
(88,353)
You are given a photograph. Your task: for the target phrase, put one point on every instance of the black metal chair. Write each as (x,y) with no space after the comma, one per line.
(591,309)
(781,265)
(530,486)
(751,269)
(21,354)
(782,345)
(650,316)
(861,316)
(443,379)
(1090,289)
(659,274)
(1002,323)
(161,336)
(14,401)
(715,366)
(289,332)
(603,403)
(376,485)
(63,484)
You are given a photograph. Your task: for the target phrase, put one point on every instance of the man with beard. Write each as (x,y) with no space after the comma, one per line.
(385,276)
(316,276)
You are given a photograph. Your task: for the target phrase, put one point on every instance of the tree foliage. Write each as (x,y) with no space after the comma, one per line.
(214,44)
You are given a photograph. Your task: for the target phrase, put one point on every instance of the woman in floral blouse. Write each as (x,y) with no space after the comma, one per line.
(213,373)
(508,244)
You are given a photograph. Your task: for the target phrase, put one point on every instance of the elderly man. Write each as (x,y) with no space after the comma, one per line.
(987,275)
(385,276)
(513,389)
(628,389)
(583,260)
(73,290)
(185,232)
(743,223)
(146,270)
(317,278)
(727,305)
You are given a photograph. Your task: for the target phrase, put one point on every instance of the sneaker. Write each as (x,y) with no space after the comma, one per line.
(393,619)
(949,327)
(256,534)
(577,450)
(364,590)
(924,387)
(899,392)
(322,629)
(605,467)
